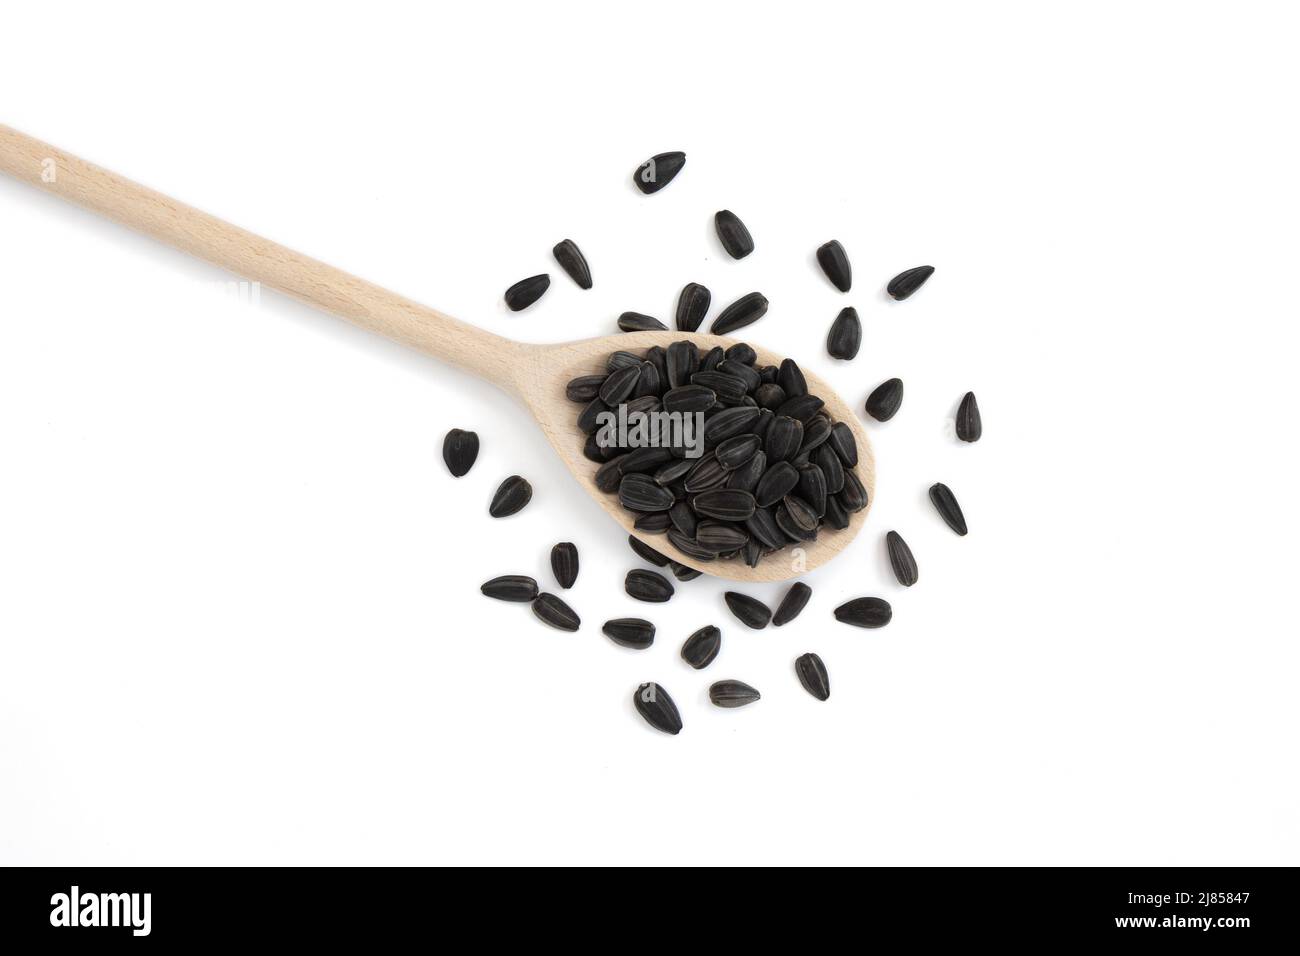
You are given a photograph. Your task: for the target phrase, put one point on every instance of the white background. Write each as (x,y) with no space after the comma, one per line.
(239,609)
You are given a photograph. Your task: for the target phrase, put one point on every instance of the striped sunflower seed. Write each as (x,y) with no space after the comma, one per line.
(763,528)
(835,515)
(824,457)
(946,504)
(653,703)
(795,600)
(621,359)
(745,478)
(682,361)
(657,356)
(901,559)
(746,310)
(636,322)
(633,632)
(526,291)
(511,497)
(645,552)
(682,515)
(656,522)
(588,418)
(801,513)
(845,445)
(815,432)
(845,336)
(724,504)
(728,389)
(852,496)
(564,563)
(794,531)
(692,306)
(584,388)
(812,674)
(650,382)
(592,451)
(609,475)
(905,283)
(885,399)
(769,395)
(790,378)
(572,261)
(460,451)
(638,492)
(733,235)
(728,423)
(969,425)
(746,373)
(658,171)
(688,546)
(647,586)
(711,358)
(511,587)
(620,384)
(677,468)
(645,460)
(682,573)
(720,537)
(835,263)
(689,398)
(752,553)
(777,482)
(801,408)
(734,452)
(555,612)
(749,611)
(702,647)
(865,612)
(783,439)
(707,473)
(812,488)
(732,693)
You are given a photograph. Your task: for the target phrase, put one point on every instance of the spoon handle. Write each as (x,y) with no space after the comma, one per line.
(270,264)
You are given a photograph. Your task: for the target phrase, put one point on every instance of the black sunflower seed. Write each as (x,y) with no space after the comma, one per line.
(885,399)
(688,546)
(724,504)
(768,374)
(512,496)
(633,632)
(709,361)
(745,478)
(749,611)
(746,373)
(682,361)
(734,452)
(794,601)
(752,553)
(812,488)
(460,451)
(900,557)
(791,528)
(527,291)
(636,322)
(845,336)
(835,263)
(646,552)
(732,693)
(657,356)
(812,674)
(702,647)
(689,398)
(728,389)
(555,612)
(815,432)
(653,703)
(746,310)
(728,423)
(648,586)
(769,395)
(656,522)
(969,425)
(620,384)
(777,482)
(946,504)
(564,563)
(790,378)
(682,515)
(801,408)
(646,403)
(732,233)
(682,573)
(705,474)
(784,436)
(905,283)
(836,516)
(572,261)
(621,359)
(692,306)
(853,496)
(762,422)
(587,419)
(645,460)
(845,445)
(650,382)
(511,587)
(658,171)
(741,352)
(763,528)
(865,612)
(639,492)
(584,388)
(592,451)
(824,457)
(801,513)
(677,468)
(720,537)
(609,475)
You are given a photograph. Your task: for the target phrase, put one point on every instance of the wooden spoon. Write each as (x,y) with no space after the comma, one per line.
(537,374)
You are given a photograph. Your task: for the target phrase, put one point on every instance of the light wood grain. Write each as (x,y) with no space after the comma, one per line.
(537,374)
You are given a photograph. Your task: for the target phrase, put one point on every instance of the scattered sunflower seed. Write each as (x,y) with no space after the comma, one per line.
(746,310)
(749,611)
(946,504)
(645,552)
(900,557)
(732,693)
(692,305)
(460,451)
(905,283)
(732,233)
(794,601)
(812,674)
(682,573)
(865,612)
(511,497)
(702,647)
(555,612)
(572,261)
(631,632)
(658,171)
(564,563)
(885,399)
(648,586)
(969,425)
(636,322)
(653,703)
(526,291)
(511,587)
(835,263)
(845,336)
